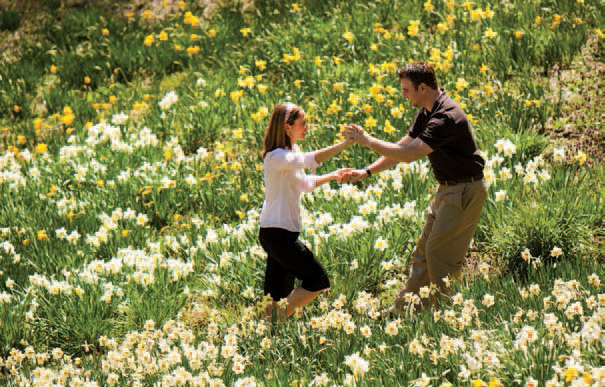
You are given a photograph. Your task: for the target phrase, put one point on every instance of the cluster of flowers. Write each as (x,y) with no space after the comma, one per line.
(174,355)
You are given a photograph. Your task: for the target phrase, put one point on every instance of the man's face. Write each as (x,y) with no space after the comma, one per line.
(410,92)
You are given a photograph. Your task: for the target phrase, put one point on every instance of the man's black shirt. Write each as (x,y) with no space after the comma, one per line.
(447,131)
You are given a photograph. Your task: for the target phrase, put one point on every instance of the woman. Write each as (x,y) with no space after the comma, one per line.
(280,222)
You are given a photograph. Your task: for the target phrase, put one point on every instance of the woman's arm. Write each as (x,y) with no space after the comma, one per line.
(322,179)
(309,183)
(331,151)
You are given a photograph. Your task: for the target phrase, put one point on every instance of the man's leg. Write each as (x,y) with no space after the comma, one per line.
(419,275)
(456,220)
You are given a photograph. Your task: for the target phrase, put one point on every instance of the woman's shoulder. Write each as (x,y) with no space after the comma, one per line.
(277,152)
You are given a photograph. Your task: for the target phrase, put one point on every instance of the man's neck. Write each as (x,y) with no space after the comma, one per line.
(431,98)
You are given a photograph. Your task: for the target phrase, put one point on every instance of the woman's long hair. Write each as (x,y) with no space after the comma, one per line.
(276,136)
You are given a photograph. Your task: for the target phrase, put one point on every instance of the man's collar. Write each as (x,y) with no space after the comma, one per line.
(438,100)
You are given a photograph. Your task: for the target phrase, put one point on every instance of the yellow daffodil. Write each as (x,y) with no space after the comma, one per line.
(148,40)
(38,125)
(370,122)
(261,64)
(461,84)
(571,374)
(413,28)
(67,119)
(41,148)
(193,50)
(348,36)
(490,34)
(388,128)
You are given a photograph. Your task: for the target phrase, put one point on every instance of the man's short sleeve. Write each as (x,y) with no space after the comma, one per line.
(417,126)
(437,131)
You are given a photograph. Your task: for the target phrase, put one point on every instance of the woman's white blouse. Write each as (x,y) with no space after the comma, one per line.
(285,180)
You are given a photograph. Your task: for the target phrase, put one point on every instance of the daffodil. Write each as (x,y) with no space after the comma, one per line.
(148,40)
(348,36)
(193,50)
(41,148)
(388,128)
(261,64)
(413,28)
(461,84)
(490,34)
(428,6)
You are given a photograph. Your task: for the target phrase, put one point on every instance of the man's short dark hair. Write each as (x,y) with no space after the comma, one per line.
(419,72)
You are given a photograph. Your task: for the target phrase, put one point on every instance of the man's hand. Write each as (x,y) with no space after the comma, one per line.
(356,133)
(352,175)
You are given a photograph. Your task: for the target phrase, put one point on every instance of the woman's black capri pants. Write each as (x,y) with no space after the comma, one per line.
(288,258)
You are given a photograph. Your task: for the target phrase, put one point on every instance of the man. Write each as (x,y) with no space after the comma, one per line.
(442,132)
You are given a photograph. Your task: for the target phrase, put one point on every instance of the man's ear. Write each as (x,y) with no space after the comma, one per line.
(422,87)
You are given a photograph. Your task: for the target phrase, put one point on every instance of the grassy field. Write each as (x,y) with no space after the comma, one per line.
(131,179)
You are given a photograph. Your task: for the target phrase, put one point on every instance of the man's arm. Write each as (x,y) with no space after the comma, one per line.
(384,163)
(403,151)
(380,165)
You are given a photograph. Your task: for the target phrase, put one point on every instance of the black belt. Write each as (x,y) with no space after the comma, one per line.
(461,181)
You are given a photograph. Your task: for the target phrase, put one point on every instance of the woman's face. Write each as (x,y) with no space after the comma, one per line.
(298,130)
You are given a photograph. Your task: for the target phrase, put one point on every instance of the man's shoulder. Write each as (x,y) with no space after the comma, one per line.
(446,102)
(449,109)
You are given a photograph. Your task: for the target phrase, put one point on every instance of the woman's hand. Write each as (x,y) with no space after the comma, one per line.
(337,175)
(350,175)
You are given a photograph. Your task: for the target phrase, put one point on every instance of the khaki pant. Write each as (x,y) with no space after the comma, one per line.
(446,236)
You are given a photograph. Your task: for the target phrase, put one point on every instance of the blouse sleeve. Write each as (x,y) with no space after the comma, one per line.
(285,159)
(307,182)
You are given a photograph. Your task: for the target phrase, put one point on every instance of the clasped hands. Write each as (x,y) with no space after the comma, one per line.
(356,134)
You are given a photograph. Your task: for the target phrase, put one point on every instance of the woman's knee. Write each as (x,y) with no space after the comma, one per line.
(315,282)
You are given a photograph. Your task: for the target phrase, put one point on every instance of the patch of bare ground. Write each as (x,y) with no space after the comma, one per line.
(580,90)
